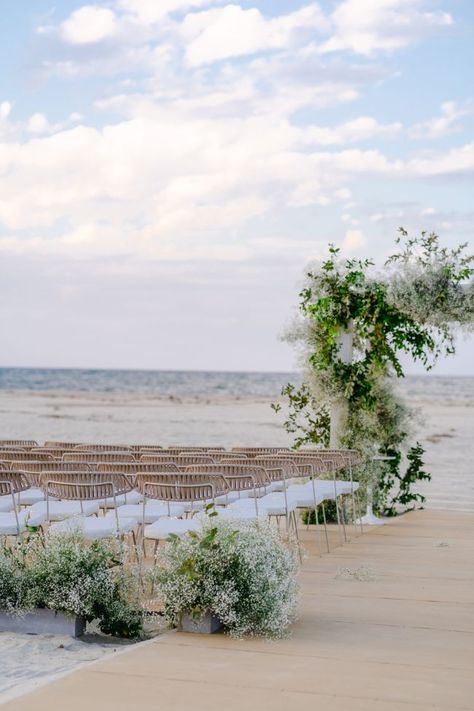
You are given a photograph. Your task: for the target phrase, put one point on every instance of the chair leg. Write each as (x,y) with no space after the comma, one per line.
(325,525)
(318,532)
(135,546)
(359,509)
(341,537)
(354,512)
(294,520)
(343,519)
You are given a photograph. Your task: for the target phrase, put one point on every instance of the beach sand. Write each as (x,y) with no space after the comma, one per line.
(28,661)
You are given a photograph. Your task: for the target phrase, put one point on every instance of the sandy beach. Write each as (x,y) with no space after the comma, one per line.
(28,661)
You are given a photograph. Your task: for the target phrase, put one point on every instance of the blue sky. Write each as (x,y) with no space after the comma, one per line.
(168,168)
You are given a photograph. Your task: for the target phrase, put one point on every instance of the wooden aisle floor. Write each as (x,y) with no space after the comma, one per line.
(387,623)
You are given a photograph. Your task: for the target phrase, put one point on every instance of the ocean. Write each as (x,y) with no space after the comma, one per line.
(218,408)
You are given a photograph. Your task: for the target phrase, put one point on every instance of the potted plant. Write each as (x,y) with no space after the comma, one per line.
(58,586)
(235,574)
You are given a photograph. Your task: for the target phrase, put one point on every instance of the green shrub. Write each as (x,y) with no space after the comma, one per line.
(330,511)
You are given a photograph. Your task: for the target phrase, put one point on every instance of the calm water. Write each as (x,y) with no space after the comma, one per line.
(145,382)
(208,384)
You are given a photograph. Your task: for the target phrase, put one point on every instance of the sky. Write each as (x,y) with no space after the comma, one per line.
(169,167)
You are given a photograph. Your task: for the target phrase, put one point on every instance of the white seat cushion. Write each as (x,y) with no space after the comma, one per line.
(6,503)
(31,496)
(193,506)
(59,510)
(276,505)
(239,513)
(325,489)
(249,505)
(258,491)
(153,511)
(305,498)
(8,523)
(161,529)
(94,528)
(304,494)
(132,497)
(225,499)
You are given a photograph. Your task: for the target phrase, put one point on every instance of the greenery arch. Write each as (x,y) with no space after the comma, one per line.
(424,296)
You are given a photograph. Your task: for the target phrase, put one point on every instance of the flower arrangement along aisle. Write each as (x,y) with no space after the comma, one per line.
(69,574)
(238,571)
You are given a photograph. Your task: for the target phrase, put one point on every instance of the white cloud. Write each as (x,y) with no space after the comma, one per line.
(443,125)
(198,152)
(164,174)
(5,109)
(38,123)
(149,12)
(232,31)
(89,24)
(368,26)
(354,241)
(360,129)
(455,161)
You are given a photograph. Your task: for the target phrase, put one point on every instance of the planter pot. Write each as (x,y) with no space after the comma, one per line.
(206,624)
(43,621)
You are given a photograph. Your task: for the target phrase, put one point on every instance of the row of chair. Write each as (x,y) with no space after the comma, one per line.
(249,482)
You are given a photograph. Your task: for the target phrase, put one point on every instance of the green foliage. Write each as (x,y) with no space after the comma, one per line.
(413,311)
(415,472)
(330,513)
(240,571)
(70,574)
(307,418)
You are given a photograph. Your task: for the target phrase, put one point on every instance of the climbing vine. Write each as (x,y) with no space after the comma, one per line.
(414,308)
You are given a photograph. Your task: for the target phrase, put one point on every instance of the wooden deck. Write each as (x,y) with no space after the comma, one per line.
(387,623)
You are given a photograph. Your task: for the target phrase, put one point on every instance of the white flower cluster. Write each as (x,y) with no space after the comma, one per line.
(72,575)
(240,571)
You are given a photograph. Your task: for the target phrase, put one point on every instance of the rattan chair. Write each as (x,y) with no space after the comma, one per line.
(276,472)
(101,448)
(193,448)
(17,455)
(52,444)
(174,493)
(136,448)
(13,522)
(53,509)
(258,475)
(97,457)
(221,455)
(136,467)
(150,511)
(18,443)
(255,451)
(124,485)
(83,492)
(338,460)
(324,462)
